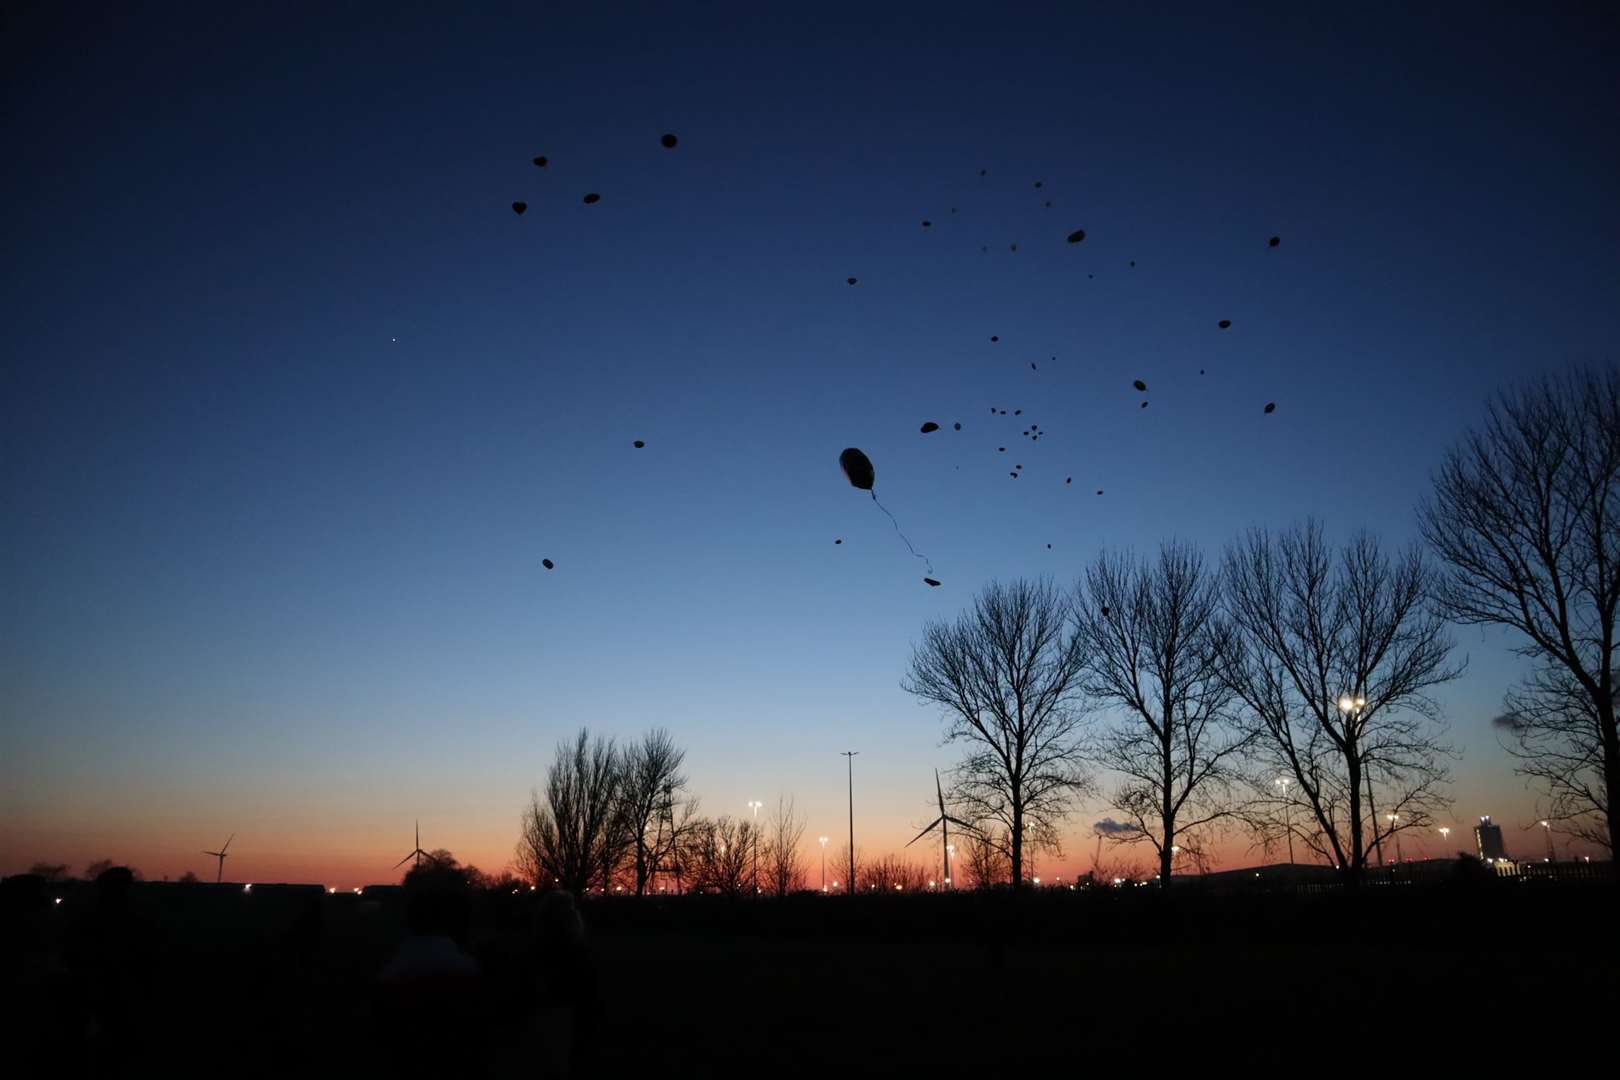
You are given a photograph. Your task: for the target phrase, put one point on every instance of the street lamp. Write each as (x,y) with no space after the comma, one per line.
(950,857)
(823,841)
(754,805)
(1552,853)
(1393,819)
(1445,835)
(1288,821)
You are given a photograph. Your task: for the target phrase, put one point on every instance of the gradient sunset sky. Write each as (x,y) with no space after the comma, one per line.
(293,404)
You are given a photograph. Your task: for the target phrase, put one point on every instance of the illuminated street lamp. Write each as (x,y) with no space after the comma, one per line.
(754,805)
(1445,835)
(1288,823)
(1393,820)
(1352,708)
(823,841)
(1552,853)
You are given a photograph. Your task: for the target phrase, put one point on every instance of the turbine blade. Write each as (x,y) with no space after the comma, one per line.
(227,846)
(959,823)
(405,860)
(925,832)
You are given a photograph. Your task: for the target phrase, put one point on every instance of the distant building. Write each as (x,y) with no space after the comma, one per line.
(1489,839)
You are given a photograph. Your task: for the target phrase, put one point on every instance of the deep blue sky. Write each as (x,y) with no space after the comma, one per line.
(294,405)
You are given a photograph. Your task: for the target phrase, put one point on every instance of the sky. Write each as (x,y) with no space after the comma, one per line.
(293,404)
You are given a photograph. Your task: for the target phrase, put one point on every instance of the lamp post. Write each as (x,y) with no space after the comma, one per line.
(1552,852)
(1445,835)
(849,756)
(823,841)
(950,856)
(1393,820)
(1288,820)
(754,805)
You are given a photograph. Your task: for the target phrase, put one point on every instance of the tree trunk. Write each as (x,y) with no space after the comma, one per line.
(1017,847)
(1611,776)
(1357,856)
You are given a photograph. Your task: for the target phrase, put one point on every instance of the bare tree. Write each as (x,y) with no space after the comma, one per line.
(575,836)
(1332,658)
(721,855)
(986,863)
(838,865)
(51,872)
(1006,674)
(1153,640)
(892,874)
(784,862)
(1526,516)
(653,784)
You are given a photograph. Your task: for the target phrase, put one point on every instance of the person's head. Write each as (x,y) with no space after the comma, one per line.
(431,911)
(560,921)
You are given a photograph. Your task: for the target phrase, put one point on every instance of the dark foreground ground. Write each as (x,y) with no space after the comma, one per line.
(273,984)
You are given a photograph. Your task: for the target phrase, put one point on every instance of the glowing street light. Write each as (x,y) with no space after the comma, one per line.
(754,805)
(1394,819)
(823,842)
(1352,708)
(1288,822)
(1552,853)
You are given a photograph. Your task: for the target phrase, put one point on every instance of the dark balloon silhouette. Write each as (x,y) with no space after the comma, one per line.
(994,337)
(1271,406)
(850,280)
(593,197)
(519,207)
(1048,547)
(669,141)
(548,564)
(984,172)
(929,426)
(1048,204)
(1032,366)
(1001,449)
(1105,611)
(1012,247)
(1077,236)
(1037,183)
(837,541)
(1018,412)
(1140,385)
(1099,491)
(639,444)
(1274,241)
(927,224)
(1070,480)
(542,161)
(1224,323)
(931,581)
(858,468)
(1144,404)
(1133,264)
(959,425)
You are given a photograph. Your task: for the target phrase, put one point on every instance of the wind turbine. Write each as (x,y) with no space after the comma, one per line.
(417,854)
(943,823)
(219,872)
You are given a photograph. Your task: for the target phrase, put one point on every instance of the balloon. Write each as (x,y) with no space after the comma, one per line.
(1224,323)
(1271,406)
(519,207)
(542,161)
(932,582)
(1274,241)
(593,197)
(669,142)
(929,426)
(639,444)
(858,468)
(1140,385)
(547,563)
(1077,236)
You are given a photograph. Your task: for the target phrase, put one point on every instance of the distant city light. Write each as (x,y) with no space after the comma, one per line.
(247,888)
(59,899)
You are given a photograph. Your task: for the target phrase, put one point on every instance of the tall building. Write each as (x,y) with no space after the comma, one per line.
(1489,839)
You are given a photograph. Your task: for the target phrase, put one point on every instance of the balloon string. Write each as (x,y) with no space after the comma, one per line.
(915,553)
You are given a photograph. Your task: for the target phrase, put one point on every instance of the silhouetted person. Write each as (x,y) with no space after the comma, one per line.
(429,995)
(565,983)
